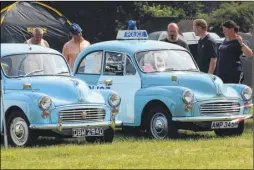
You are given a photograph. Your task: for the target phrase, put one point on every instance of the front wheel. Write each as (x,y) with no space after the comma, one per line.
(18,130)
(231,132)
(108,136)
(159,125)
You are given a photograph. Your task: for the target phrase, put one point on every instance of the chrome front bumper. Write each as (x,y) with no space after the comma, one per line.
(117,125)
(210,118)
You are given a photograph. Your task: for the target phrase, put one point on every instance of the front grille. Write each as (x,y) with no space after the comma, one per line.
(220,108)
(75,115)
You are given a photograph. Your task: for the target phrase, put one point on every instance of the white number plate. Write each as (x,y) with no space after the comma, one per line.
(224,125)
(81,132)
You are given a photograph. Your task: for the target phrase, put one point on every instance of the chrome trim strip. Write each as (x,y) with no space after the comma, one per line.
(118,125)
(219,99)
(210,118)
(82,105)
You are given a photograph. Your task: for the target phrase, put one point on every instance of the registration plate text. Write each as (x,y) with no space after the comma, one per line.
(81,132)
(224,125)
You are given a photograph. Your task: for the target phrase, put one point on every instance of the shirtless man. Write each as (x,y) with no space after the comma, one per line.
(37,38)
(73,47)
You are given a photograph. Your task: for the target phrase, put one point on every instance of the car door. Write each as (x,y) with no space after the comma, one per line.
(120,75)
(90,68)
(1,109)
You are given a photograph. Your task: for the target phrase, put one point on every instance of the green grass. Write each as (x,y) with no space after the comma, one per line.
(190,150)
(252,110)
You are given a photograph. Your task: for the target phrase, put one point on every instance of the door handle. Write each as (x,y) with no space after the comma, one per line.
(108,82)
(27,86)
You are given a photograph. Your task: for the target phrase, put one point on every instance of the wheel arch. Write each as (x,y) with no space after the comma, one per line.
(12,109)
(150,105)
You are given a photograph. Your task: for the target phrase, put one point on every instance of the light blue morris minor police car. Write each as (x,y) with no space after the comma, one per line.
(161,87)
(42,98)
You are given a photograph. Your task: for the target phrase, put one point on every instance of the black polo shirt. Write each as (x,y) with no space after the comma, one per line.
(178,42)
(206,50)
(229,61)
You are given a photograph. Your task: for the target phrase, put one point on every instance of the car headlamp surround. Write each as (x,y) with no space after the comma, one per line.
(188,96)
(45,102)
(247,93)
(114,100)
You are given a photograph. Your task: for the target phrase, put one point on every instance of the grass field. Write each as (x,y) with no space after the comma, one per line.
(190,150)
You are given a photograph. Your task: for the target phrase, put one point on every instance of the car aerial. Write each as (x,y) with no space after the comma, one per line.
(161,87)
(41,98)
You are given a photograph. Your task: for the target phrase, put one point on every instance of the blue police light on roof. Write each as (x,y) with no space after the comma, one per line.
(132,25)
(132,35)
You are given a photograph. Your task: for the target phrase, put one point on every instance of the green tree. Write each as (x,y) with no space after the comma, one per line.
(240,12)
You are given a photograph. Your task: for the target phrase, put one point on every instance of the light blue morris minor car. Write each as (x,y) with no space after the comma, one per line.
(42,98)
(161,87)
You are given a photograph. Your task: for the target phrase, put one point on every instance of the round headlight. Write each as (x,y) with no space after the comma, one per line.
(45,103)
(114,100)
(188,96)
(247,93)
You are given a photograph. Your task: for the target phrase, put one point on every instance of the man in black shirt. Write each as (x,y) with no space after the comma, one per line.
(229,65)
(173,32)
(207,50)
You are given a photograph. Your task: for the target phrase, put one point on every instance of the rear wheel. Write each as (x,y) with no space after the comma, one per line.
(18,131)
(231,132)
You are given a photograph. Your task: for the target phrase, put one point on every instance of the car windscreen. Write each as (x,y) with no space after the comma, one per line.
(165,60)
(23,65)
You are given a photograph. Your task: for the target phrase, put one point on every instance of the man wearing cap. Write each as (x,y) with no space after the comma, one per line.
(229,66)
(73,47)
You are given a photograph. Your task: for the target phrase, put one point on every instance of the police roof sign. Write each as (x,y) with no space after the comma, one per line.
(132,35)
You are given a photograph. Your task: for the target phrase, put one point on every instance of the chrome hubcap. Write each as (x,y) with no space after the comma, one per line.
(19,131)
(159,126)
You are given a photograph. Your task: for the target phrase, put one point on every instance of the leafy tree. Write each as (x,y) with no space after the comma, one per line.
(240,12)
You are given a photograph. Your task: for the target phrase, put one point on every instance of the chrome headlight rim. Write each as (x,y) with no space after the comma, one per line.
(188,92)
(44,103)
(247,89)
(111,98)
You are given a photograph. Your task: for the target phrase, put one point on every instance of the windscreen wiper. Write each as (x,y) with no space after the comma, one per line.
(35,71)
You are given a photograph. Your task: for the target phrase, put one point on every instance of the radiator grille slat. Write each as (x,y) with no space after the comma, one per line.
(220,108)
(77,115)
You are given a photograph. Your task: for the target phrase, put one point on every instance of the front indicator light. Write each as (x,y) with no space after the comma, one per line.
(115,111)
(45,114)
(188,107)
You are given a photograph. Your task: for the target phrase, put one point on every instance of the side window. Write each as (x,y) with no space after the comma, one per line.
(91,64)
(130,69)
(114,63)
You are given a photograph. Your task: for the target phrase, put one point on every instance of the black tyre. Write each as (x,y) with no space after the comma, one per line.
(231,132)
(91,139)
(18,131)
(108,136)
(159,123)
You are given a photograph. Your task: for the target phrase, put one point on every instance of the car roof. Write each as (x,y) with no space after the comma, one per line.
(18,48)
(131,46)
